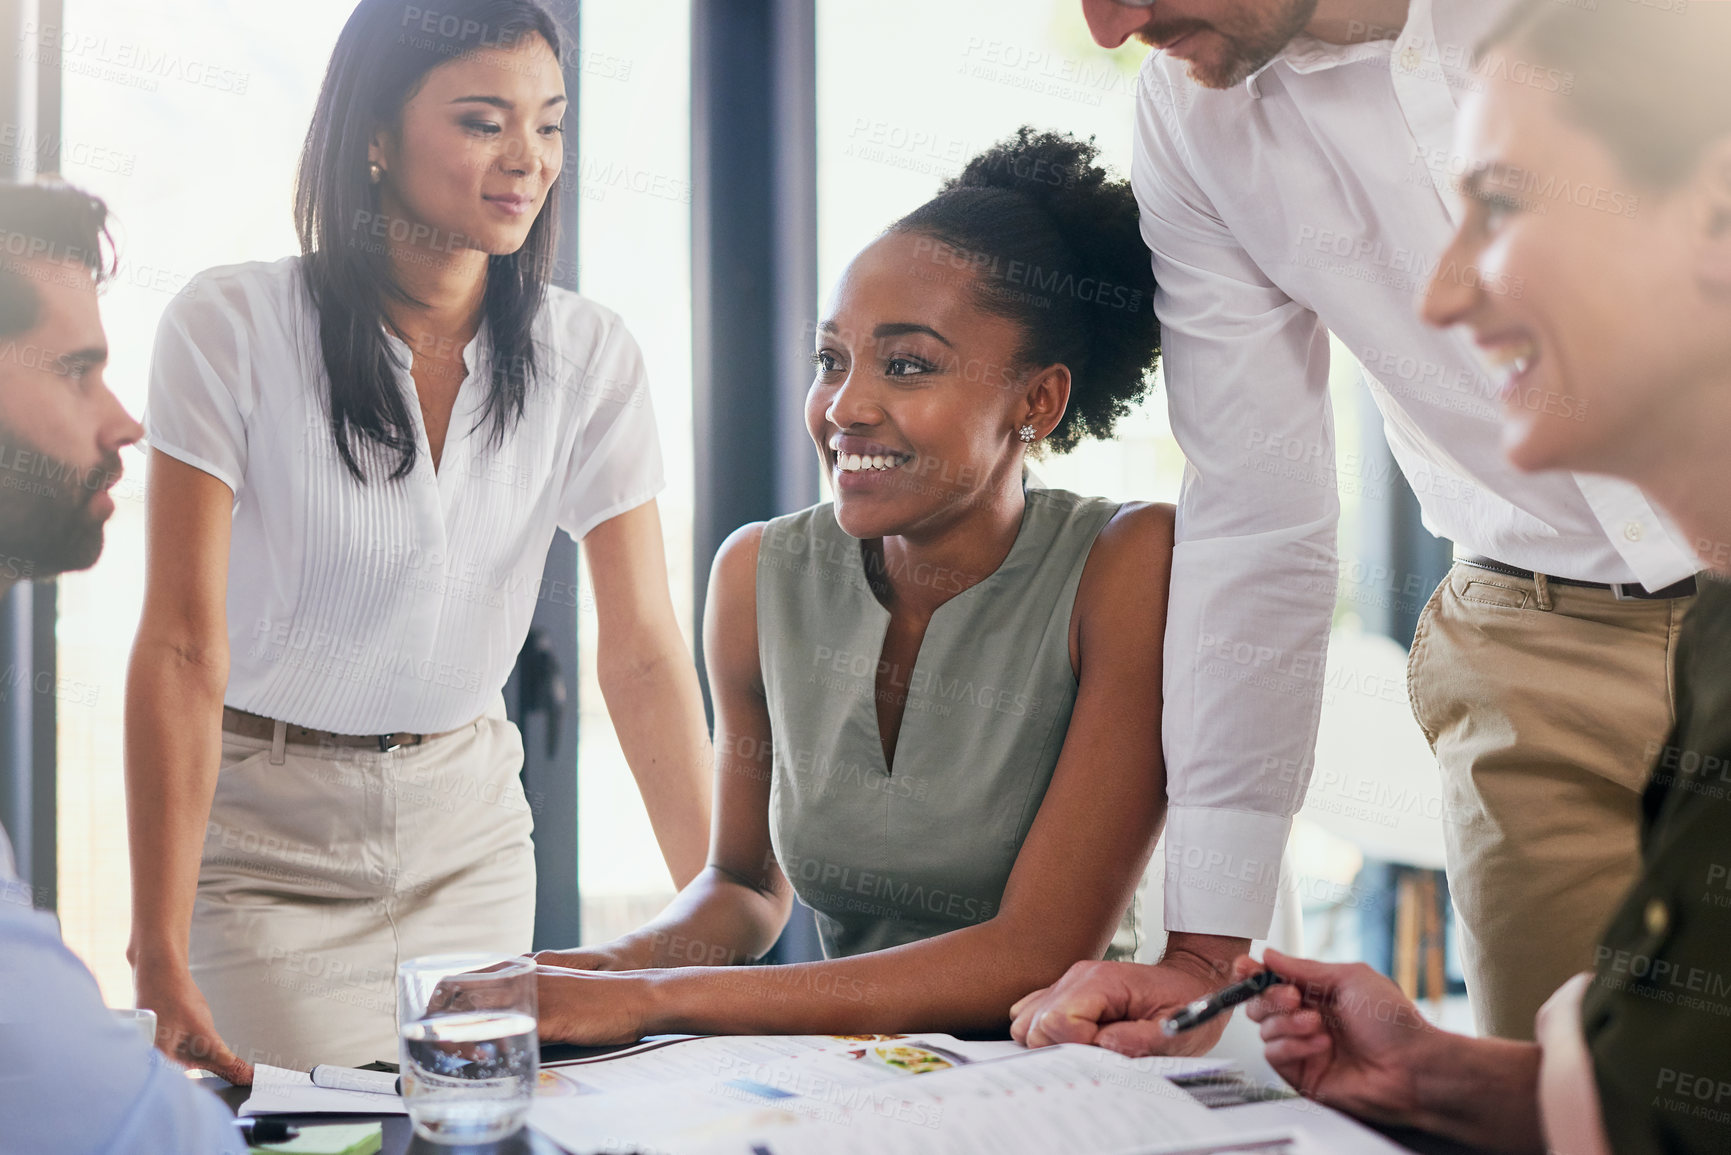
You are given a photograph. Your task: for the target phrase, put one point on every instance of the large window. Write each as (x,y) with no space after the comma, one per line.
(636,253)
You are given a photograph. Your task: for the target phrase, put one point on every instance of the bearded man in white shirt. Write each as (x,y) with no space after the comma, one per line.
(1293,164)
(73,1078)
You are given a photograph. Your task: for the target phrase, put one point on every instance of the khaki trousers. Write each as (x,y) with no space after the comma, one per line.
(324,872)
(1545,705)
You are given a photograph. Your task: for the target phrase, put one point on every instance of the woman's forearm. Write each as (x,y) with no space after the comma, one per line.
(173,752)
(716,921)
(964,980)
(650,687)
(1484,1093)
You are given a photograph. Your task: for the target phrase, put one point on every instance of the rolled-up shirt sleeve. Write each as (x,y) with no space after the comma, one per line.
(1569,1108)
(615,462)
(200,385)
(73,1079)
(1255,566)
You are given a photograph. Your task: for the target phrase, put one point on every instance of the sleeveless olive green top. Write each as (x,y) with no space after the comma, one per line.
(884,855)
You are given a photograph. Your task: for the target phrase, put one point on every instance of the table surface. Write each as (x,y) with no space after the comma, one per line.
(400,1137)
(1338,1134)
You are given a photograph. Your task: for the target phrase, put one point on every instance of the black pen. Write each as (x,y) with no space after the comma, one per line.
(1225,999)
(256,1130)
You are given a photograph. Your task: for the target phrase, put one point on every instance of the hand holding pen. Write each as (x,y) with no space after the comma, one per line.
(1341,1033)
(1121,1005)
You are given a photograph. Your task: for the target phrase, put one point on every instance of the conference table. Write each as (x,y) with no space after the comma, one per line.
(400,1137)
(1336,1133)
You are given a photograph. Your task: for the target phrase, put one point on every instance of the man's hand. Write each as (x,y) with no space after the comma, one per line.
(1344,1035)
(1120,1006)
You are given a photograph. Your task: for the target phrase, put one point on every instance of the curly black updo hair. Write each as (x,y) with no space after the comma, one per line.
(1053,244)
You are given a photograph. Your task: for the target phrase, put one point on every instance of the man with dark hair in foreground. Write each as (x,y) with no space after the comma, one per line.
(72,1077)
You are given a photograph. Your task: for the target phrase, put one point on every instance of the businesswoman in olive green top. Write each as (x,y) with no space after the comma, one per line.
(937,700)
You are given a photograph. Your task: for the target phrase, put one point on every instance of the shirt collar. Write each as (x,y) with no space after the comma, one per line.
(1308,54)
(470,351)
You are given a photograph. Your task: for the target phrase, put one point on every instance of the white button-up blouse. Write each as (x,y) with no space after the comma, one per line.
(389,606)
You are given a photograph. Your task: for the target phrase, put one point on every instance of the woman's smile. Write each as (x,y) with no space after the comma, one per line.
(861,466)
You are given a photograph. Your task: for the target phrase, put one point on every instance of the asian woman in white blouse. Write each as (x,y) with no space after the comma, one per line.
(358,458)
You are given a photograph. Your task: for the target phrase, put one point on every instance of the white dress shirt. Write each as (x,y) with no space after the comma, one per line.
(390,606)
(74,1080)
(1315,197)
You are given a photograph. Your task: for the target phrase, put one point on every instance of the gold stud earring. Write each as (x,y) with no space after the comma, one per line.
(374,171)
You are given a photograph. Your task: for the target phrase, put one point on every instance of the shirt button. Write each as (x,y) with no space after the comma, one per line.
(1632,531)
(1656,916)
(1409,58)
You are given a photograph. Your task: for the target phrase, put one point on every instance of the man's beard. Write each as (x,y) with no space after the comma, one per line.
(46,523)
(1252,40)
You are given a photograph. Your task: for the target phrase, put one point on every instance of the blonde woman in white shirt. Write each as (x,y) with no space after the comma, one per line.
(358,460)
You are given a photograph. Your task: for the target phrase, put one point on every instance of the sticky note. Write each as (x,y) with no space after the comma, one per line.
(333,1139)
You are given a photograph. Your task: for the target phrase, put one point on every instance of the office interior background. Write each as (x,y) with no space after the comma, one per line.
(726,160)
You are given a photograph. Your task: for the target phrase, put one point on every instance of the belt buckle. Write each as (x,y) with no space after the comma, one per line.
(388,742)
(1619,590)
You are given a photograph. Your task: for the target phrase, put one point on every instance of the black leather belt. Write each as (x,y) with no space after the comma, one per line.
(1622,591)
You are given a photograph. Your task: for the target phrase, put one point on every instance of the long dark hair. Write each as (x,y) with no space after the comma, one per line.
(385,50)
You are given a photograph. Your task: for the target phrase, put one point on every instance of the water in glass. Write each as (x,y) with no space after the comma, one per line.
(470,1052)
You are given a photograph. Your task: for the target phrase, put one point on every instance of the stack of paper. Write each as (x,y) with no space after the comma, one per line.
(926,1094)
(923,1093)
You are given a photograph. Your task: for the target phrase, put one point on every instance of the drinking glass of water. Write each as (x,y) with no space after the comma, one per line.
(470,1054)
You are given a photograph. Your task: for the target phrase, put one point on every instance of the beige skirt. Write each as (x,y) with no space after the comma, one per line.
(322,874)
